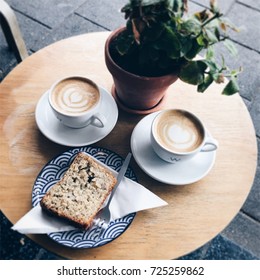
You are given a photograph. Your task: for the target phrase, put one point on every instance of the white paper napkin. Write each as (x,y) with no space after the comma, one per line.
(129,197)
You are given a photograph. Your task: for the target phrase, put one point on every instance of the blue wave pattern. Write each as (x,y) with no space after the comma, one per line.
(53,172)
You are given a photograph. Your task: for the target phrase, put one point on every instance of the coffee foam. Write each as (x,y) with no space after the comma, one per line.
(74,96)
(178,131)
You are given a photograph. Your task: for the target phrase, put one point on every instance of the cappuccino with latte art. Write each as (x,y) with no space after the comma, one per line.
(178,131)
(178,135)
(74,96)
(76,101)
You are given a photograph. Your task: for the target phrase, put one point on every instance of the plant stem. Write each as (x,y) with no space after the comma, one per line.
(210,19)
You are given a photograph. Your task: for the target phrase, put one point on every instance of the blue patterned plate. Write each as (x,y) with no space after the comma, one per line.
(54,170)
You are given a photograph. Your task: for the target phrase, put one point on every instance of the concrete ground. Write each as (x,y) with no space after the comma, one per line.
(43,22)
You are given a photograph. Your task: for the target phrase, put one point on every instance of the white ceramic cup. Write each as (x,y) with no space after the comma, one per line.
(178,135)
(76,101)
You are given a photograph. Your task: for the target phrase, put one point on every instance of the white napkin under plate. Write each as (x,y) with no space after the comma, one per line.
(129,197)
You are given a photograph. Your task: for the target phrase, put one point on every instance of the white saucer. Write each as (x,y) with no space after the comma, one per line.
(182,173)
(51,127)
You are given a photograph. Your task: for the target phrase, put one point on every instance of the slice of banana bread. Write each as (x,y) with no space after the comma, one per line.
(79,195)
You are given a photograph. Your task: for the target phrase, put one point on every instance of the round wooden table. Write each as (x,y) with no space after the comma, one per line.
(196,212)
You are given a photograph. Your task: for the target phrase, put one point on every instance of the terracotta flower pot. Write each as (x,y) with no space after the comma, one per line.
(135,93)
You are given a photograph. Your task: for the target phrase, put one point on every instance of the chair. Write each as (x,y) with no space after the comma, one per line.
(12,32)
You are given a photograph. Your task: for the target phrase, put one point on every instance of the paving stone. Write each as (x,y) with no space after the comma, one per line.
(198,254)
(247,103)
(224,5)
(255,111)
(7,58)
(258,145)
(252,3)
(248,80)
(219,248)
(31,30)
(194,7)
(48,12)
(106,13)
(15,246)
(245,233)
(252,205)
(248,21)
(72,26)
(223,249)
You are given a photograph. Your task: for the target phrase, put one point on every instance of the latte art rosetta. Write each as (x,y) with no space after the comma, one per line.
(74,97)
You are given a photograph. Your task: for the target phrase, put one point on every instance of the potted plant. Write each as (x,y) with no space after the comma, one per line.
(160,44)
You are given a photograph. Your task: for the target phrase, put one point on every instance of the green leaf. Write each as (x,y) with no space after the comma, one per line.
(214,7)
(207,82)
(196,48)
(218,77)
(176,6)
(231,47)
(193,72)
(164,62)
(231,88)
(213,23)
(124,43)
(201,40)
(210,53)
(213,67)
(235,72)
(186,45)
(228,23)
(169,43)
(191,26)
(172,40)
(153,32)
(217,34)
(154,54)
(211,35)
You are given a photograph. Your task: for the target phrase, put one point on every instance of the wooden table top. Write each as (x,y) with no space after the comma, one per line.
(196,213)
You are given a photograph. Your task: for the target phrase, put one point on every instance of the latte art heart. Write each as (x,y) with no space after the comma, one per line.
(74,96)
(178,132)
(73,100)
(179,137)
